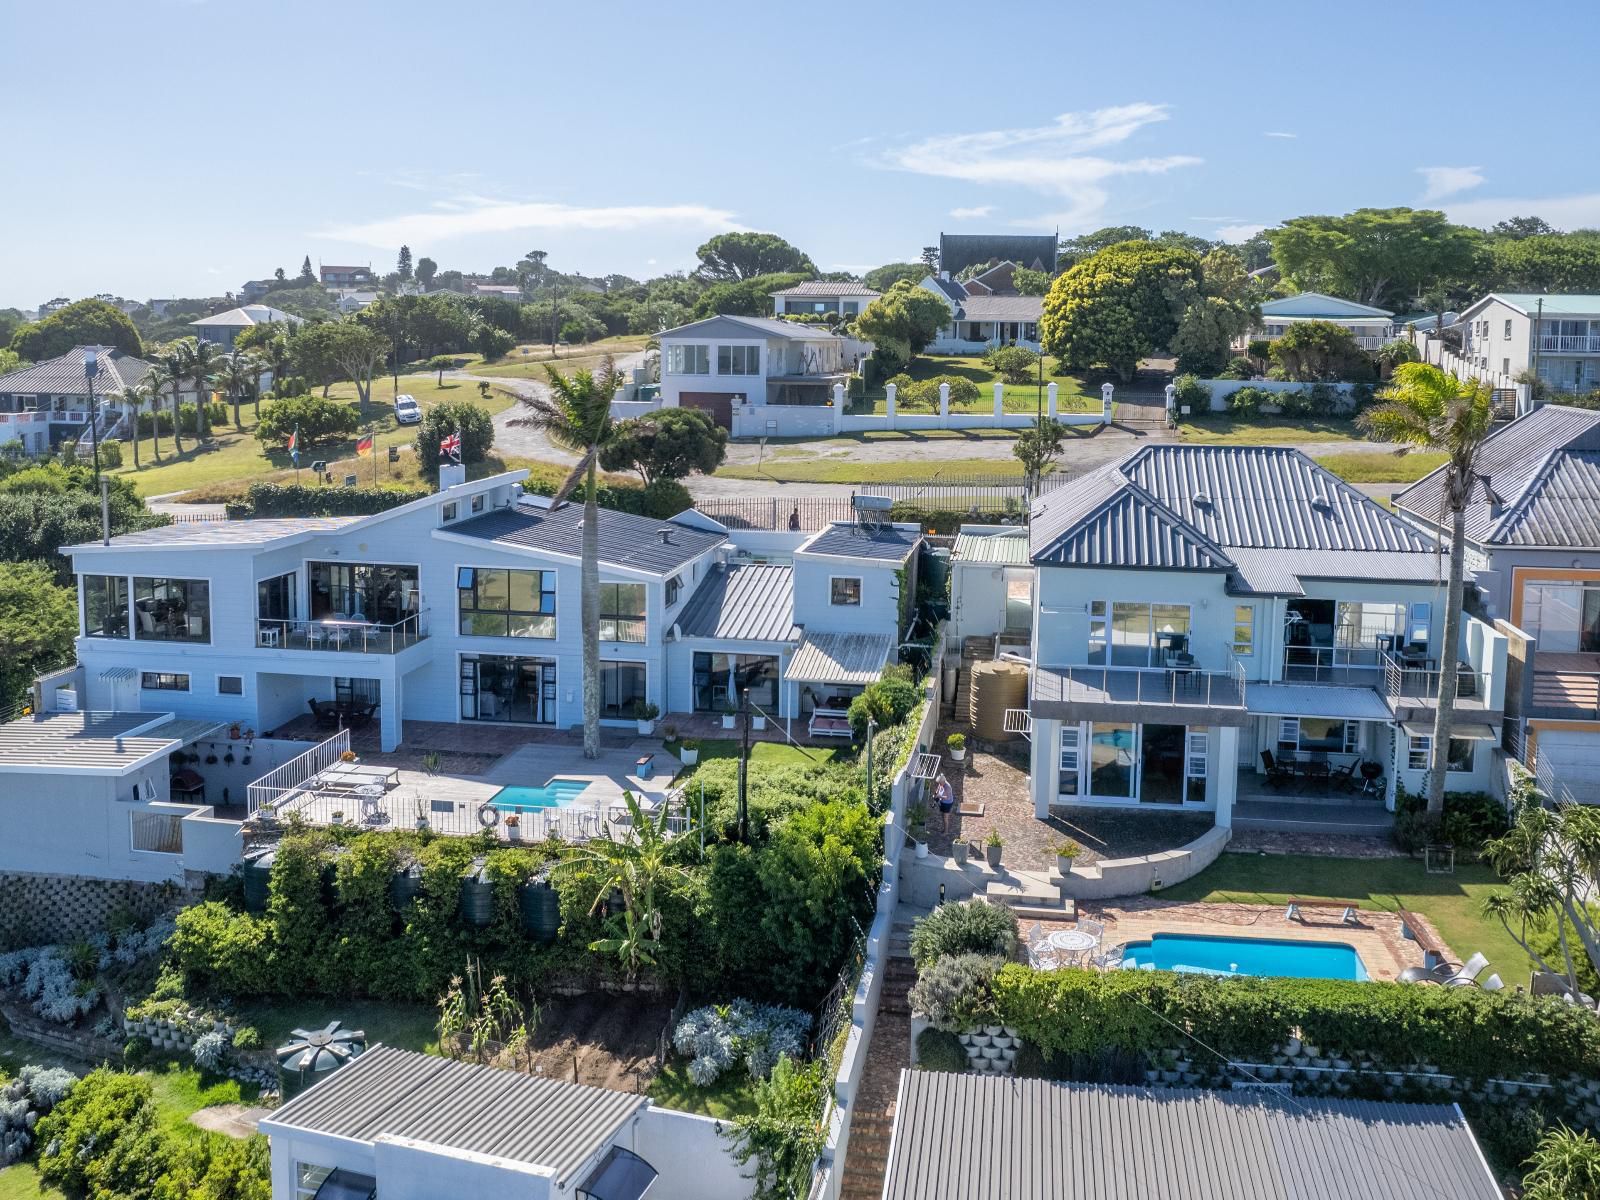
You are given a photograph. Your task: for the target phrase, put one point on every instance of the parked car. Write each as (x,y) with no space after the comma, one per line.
(407,411)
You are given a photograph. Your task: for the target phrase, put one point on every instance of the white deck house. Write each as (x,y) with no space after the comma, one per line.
(47,404)
(722,363)
(821,297)
(463,606)
(1557,336)
(1198,606)
(1372,327)
(981,318)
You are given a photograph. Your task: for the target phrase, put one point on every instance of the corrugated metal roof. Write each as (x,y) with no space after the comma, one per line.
(222,533)
(750,327)
(64,376)
(827,287)
(976,1137)
(1130,528)
(1542,469)
(462,1106)
(1001,547)
(1320,305)
(844,658)
(1281,572)
(94,740)
(951,289)
(247,315)
(1002,308)
(625,540)
(1315,700)
(845,540)
(752,602)
(1555,304)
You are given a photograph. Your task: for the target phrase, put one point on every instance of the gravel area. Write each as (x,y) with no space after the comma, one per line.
(1328,845)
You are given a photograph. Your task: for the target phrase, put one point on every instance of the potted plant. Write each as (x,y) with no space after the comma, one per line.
(1066,850)
(960,849)
(338,816)
(348,756)
(757,721)
(991,848)
(514,827)
(730,713)
(645,714)
(689,752)
(958,746)
(917,822)
(669,732)
(420,807)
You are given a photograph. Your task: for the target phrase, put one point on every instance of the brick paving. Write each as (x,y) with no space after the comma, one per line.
(872,1123)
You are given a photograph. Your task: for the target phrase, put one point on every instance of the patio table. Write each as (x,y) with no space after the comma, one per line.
(1072,944)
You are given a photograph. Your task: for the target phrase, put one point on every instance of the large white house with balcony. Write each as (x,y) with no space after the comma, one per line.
(463,606)
(723,362)
(1371,327)
(1556,336)
(1236,630)
(822,297)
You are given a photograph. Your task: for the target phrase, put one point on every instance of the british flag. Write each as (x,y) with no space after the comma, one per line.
(451,446)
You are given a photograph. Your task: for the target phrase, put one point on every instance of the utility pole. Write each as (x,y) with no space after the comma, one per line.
(742,833)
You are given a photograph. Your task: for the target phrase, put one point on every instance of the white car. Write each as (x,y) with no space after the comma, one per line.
(407,411)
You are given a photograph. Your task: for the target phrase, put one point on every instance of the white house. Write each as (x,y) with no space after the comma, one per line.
(1556,336)
(718,362)
(821,297)
(409,1126)
(47,404)
(463,607)
(1199,607)
(991,583)
(1371,326)
(980,318)
(224,327)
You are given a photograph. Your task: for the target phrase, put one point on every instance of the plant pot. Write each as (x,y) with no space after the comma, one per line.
(422,824)
(959,755)
(981,1041)
(1292,1047)
(514,833)
(1064,864)
(921,845)
(338,818)
(728,719)
(995,1031)
(965,1039)
(959,851)
(992,1053)
(992,855)
(689,757)
(758,722)
(646,728)
(1005,1043)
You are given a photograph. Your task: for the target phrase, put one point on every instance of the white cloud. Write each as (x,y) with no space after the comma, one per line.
(1278,133)
(1447,181)
(1048,158)
(972,214)
(1234,234)
(1564,212)
(464,216)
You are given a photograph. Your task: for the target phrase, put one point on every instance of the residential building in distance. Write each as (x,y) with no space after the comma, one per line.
(350,300)
(1206,615)
(1555,336)
(463,607)
(254,289)
(46,405)
(1533,555)
(820,297)
(506,291)
(1370,326)
(224,327)
(335,276)
(410,1126)
(958,251)
(985,311)
(718,362)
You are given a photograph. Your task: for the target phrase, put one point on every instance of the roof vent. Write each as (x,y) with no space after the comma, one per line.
(1202,499)
(1321,503)
(665,535)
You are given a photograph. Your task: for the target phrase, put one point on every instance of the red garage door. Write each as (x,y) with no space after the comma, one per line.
(718,404)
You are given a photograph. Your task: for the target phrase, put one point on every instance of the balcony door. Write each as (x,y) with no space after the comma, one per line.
(381,593)
(1119,762)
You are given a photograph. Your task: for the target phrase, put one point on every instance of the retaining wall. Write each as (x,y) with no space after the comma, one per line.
(40,910)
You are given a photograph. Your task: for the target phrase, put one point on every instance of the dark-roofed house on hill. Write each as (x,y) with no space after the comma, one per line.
(958,251)
(47,404)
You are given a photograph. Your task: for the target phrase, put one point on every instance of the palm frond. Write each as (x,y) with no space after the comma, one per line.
(573,479)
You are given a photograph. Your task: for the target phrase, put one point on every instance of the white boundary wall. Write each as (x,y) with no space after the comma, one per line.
(1221,389)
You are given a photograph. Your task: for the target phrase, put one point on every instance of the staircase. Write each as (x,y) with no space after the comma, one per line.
(872,1125)
(113,424)
(974,650)
(1031,896)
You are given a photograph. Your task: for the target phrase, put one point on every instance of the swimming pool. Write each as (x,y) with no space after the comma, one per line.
(558,793)
(1199,954)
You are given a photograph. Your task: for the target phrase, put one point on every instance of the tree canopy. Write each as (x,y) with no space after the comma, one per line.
(1543,262)
(1381,256)
(1311,350)
(903,320)
(1225,308)
(881,279)
(1120,304)
(38,620)
(666,444)
(746,255)
(745,297)
(84,323)
(474,425)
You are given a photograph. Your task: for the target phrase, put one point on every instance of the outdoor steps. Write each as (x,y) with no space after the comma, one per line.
(1029,896)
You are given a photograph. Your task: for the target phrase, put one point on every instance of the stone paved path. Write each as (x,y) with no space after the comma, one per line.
(890,1052)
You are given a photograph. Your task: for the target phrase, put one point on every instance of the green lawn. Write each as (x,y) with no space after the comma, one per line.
(1019,397)
(235,454)
(1219,428)
(408,1026)
(22,1182)
(733,1095)
(1451,902)
(1377,466)
(773,754)
(839,469)
(528,361)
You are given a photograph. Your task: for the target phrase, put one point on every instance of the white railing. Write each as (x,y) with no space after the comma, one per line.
(1354,666)
(1371,343)
(360,637)
(295,772)
(1416,682)
(1570,343)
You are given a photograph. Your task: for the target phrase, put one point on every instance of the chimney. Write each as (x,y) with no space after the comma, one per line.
(451,475)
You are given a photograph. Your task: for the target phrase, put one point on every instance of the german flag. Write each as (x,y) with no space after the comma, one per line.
(364,446)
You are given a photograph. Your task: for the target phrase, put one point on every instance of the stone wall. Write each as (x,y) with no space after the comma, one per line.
(38,910)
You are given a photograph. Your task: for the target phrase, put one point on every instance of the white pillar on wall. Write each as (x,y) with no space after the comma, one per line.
(1050,393)
(390,702)
(1044,766)
(1224,768)
(999,401)
(1105,400)
(838,408)
(944,400)
(889,402)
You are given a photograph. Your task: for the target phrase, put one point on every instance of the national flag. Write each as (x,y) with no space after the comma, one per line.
(451,446)
(364,446)
(294,445)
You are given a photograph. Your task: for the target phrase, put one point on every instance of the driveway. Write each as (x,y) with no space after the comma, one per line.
(519,440)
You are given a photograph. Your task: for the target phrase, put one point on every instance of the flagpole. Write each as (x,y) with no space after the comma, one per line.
(372,433)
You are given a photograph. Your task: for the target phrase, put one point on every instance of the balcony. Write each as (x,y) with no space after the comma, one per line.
(339,637)
(1084,693)
(1569,343)
(1367,342)
(1335,666)
(1412,682)
(1566,687)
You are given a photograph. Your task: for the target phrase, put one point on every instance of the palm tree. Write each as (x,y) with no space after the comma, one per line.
(200,362)
(576,414)
(255,366)
(237,374)
(173,373)
(146,391)
(1426,407)
(277,352)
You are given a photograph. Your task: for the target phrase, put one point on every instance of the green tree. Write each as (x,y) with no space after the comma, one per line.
(731,256)
(666,444)
(1546,262)
(46,506)
(426,270)
(11,320)
(1522,227)
(1427,408)
(1119,305)
(10,361)
(307,275)
(745,297)
(903,320)
(474,425)
(881,279)
(576,414)
(84,323)
(171,369)
(1075,250)
(359,351)
(312,353)
(1037,448)
(1226,308)
(1313,350)
(319,419)
(147,394)
(441,363)
(402,266)
(1378,256)
(1550,860)
(1029,282)
(200,361)
(38,621)
(237,376)
(492,342)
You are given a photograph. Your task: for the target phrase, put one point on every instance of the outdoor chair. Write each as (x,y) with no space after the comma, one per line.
(1277,773)
(1462,976)
(1093,928)
(1344,778)
(1042,956)
(1109,959)
(1492,984)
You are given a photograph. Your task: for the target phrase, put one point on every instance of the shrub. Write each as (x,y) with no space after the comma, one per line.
(1238,368)
(454,416)
(941,1050)
(111,454)
(956,993)
(216,413)
(970,927)
(1017,364)
(924,393)
(34,1092)
(210,1051)
(312,500)
(886,702)
(716,1037)
(101,1141)
(1566,1166)
(247,1038)
(1247,401)
(320,420)
(136,1052)
(1260,349)
(1190,391)
(1470,819)
(492,342)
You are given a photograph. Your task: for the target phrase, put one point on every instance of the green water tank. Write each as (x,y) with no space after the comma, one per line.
(477,896)
(311,1055)
(258,880)
(541,909)
(404,886)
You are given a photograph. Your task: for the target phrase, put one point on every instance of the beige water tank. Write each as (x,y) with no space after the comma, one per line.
(996,686)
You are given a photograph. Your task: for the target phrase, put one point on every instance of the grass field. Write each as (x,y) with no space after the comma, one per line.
(528,361)
(407,1026)
(772,754)
(1220,429)
(235,454)
(1019,397)
(832,468)
(1451,902)
(733,1095)
(1377,466)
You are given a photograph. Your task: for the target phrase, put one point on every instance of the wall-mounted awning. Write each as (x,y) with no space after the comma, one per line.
(1471,733)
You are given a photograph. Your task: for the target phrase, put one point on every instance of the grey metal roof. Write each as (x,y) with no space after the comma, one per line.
(1539,483)
(1315,700)
(839,658)
(997,545)
(827,287)
(752,602)
(221,534)
(1281,572)
(639,543)
(750,327)
(1002,308)
(958,251)
(64,376)
(977,1137)
(952,289)
(461,1106)
(247,315)
(846,540)
(104,741)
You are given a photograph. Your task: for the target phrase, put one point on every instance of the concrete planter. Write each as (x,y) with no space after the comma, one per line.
(992,855)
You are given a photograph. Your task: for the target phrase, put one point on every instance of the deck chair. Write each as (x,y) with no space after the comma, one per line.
(1277,775)
(1463,976)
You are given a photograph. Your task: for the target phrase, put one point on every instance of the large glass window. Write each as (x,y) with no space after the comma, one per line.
(1563,616)
(380,593)
(502,603)
(163,681)
(1244,630)
(621,685)
(105,606)
(738,360)
(688,360)
(1319,735)
(719,679)
(496,688)
(277,599)
(1459,759)
(622,613)
(1111,773)
(1139,635)
(844,590)
(172,610)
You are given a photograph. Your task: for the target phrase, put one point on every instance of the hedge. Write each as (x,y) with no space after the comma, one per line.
(1462,1031)
(319,500)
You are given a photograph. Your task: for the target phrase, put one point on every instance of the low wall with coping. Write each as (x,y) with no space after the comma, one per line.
(1221,389)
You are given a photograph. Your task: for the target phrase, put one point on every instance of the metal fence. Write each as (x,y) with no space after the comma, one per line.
(987,496)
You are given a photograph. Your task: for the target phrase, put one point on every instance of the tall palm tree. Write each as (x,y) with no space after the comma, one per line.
(200,359)
(146,391)
(255,366)
(576,414)
(235,376)
(174,373)
(1426,407)
(277,352)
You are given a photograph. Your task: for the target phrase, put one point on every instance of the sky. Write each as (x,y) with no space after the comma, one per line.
(205,142)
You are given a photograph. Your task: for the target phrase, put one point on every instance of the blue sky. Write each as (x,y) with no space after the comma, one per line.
(205,142)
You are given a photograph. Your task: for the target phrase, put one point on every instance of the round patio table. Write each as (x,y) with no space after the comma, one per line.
(1072,941)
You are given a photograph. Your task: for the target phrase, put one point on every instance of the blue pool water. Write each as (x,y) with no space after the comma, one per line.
(1245,956)
(558,793)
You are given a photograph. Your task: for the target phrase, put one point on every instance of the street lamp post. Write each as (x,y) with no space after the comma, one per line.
(91,368)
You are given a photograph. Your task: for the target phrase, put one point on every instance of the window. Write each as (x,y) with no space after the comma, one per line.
(105,606)
(621,685)
(1069,760)
(844,590)
(230,685)
(1505,366)
(172,610)
(1459,760)
(163,681)
(1319,735)
(688,360)
(1563,614)
(448,512)
(380,593)
(674,589)
(852,308)
(1141,635)
(738,360)
(719,679)
(157,833)
(477,502)
(504,603)
(622,615)
(1244,630)
(1508,331)
(277,599)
